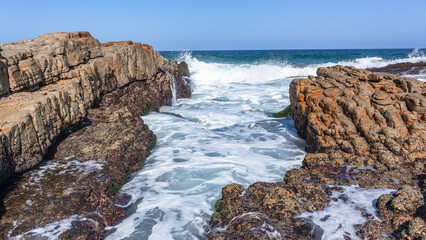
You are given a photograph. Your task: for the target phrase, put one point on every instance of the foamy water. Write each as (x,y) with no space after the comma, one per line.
(224,134)
(51,231)
(335,224)
(223,73)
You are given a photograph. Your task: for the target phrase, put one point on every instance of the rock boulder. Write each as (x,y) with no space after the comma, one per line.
(362,129)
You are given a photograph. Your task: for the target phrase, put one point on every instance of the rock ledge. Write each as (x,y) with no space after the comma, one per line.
(68,98)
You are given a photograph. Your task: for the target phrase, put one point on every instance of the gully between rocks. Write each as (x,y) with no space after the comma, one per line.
(356,146)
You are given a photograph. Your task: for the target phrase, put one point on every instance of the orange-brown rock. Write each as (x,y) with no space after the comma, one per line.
(361,128)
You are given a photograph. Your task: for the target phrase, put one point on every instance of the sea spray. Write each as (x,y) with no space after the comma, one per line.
(211,73)
(417,53)
(191,82)
(224,134)
(206,73)
(172,87)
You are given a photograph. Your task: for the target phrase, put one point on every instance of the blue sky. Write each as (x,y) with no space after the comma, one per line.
(209,25)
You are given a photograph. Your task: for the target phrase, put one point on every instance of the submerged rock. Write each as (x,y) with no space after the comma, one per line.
(362,129)
(285,113)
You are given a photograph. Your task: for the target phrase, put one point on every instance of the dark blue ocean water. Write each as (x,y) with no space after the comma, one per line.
(296,57)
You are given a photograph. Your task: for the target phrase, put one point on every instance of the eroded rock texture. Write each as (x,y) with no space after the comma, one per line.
(79,101)
(67,74)
(361,128)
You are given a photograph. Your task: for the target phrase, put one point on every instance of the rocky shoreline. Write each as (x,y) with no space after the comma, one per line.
(67,98)
(365,138)
(71,134)
(402,68)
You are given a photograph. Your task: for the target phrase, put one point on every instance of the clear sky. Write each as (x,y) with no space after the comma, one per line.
(230,24)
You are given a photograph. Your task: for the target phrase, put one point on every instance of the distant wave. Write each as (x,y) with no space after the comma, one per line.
(373,62)
(417,53)
(205,73)
(216,73)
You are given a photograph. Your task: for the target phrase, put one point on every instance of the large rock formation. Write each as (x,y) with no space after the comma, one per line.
(49,83)
(362,129)
(66,97)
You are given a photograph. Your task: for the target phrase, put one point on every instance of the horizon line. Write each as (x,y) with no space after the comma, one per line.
(289,49)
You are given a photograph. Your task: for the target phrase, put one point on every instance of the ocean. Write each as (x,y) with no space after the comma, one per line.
(226,134)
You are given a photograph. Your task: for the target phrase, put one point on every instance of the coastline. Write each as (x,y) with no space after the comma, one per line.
(364,132)
(72,132)
(70,166)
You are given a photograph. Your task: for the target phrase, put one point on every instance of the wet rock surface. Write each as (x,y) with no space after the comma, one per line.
(78,137)
(49,83)
(364,131)
(402,68)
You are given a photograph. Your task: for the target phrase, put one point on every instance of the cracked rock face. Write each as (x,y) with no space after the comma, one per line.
(81,102)
(362,129)
(47,85)
(40,61)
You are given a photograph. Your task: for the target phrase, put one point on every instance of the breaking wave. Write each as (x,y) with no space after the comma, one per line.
(224,134)
(211,73)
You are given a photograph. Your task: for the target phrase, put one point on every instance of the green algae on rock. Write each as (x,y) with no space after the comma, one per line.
(285,113)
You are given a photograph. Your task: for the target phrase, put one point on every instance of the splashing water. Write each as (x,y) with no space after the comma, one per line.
(190,82)
(268,70)
(223,134)
(417,53)
(173,88)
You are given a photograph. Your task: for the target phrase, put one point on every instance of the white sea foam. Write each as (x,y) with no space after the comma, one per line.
(223,134)
(220,73)
(339,218)
(191,163)
(60,167)
(50,231)
(417,53)
(266,227)
(63,167)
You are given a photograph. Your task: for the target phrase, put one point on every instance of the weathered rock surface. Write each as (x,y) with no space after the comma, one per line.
(361,128)
(71,72)
(93,94)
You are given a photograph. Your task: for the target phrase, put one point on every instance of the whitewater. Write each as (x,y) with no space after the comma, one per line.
(224,134)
